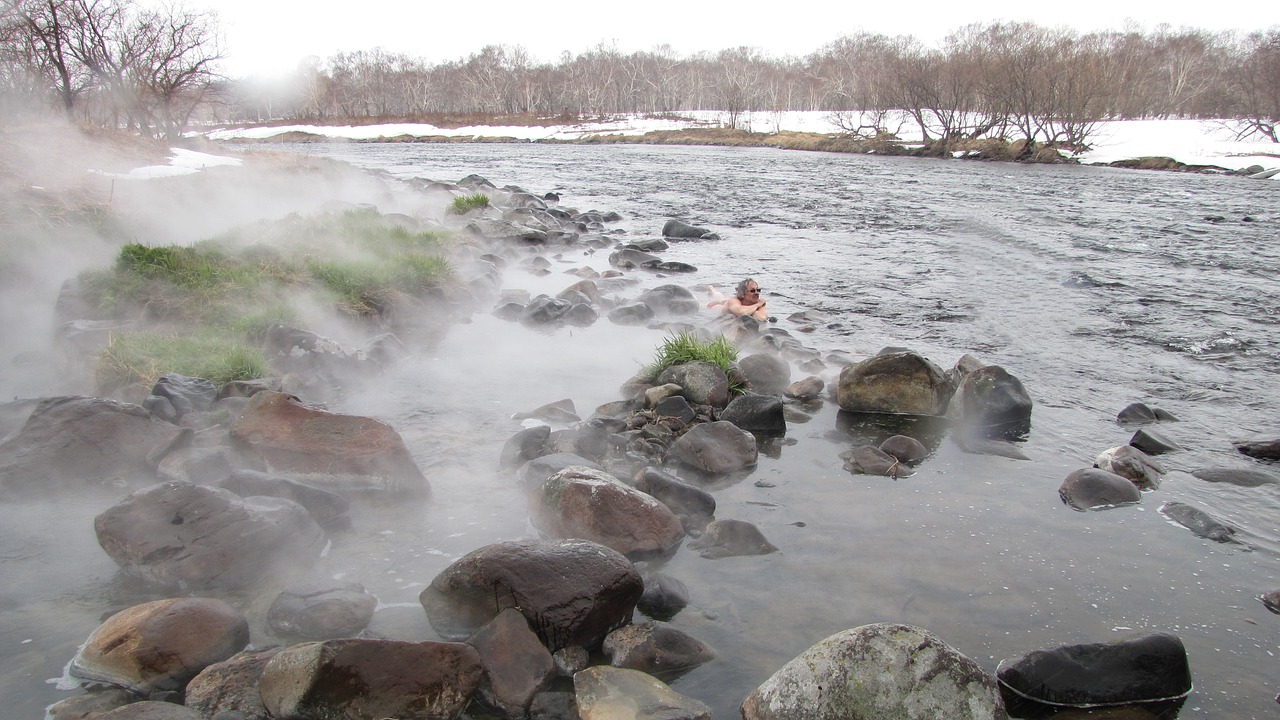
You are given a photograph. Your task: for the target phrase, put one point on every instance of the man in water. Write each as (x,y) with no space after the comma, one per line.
(746,301)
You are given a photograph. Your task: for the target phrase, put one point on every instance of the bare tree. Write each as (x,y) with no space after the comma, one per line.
(1257,85)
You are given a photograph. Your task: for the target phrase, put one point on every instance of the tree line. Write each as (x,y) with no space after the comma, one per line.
(112,63)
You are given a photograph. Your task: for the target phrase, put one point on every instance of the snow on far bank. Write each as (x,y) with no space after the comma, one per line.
(1194,142)
(181,162)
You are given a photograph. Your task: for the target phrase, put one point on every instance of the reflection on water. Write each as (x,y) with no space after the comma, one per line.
(1096,288)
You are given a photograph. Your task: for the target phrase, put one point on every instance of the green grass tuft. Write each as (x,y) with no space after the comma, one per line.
(685,347)
(141,358)
(466,203)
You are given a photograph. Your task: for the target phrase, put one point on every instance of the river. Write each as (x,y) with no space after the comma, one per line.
(1096,287)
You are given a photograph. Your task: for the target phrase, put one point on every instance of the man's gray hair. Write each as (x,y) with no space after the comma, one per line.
(742,287)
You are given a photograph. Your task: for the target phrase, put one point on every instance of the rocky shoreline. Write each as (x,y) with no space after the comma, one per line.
(234,488)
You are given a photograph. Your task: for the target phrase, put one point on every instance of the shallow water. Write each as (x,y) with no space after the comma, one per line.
(1095,287)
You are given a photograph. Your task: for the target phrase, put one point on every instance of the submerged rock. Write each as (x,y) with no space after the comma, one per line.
(992,399)
(729,538)
(517,665)
(1243,477)
(883,671)
(1198,521)
(231,686)
(655,648)
(1094,489)
(322,611)
(609,693)
(1141,414)
(1130,462)
(677,229)
(1261,448)
(1153,443)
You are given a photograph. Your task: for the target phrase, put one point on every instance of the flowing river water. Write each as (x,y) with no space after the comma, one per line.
(1095,287)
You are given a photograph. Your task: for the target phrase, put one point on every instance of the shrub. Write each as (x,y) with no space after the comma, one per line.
(684,347)
(140,358)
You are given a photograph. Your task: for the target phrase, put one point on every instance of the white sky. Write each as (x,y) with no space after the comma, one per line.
(269,37)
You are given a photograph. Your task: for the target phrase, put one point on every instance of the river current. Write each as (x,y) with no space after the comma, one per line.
(1096,287)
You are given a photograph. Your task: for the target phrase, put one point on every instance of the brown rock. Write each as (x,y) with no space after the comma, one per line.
(231,685)
(579,502)
(517,665)
(326,448)
(897,382)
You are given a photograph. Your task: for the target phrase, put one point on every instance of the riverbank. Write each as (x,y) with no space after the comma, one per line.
(1176,144)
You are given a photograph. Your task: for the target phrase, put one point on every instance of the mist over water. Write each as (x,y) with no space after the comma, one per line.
(1095,287)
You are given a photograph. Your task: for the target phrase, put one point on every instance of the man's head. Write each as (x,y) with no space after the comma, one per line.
(748,291)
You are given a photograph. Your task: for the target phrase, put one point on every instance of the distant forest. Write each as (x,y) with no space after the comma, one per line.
(114,63)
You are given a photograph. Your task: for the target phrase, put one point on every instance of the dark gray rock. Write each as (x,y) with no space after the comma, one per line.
(1130,462)
(1140,414)
(992,399)
(1152,442)
(906,449)
(676,229)
(543,310)
(329,509)
(633,314)
(655,648)
(871,460)
(525,445)
(675,406)
(572,592)
(694,506)
(579,502)
(809,388)
(671,300)
(231,686)
(628,259)
(535,472)
(581,315)
(756,413)
(664,596)
(767,373)
(517,665)
(1144,669)
(1094,489)
(701,383)
(186,394)
(1261,448)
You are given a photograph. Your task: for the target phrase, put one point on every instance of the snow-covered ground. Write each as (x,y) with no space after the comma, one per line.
(1194,142)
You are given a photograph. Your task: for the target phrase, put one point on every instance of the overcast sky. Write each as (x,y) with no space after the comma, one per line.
(269,37)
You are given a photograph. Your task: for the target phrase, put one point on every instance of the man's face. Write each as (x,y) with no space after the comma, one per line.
(752,293)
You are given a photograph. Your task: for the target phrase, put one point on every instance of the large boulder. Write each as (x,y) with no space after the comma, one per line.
(579,502)
(992,399)
(1094,489)
(184,536)
(161,645)
(878,672)
(361,679)
(700,382)
(572,592)
(231,686)
(716,447)
(1143,669)
(609,693)
(898,382)
(326,449)
(66,440)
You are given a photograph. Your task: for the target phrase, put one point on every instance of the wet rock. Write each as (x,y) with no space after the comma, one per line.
(231,686)
(767,373)
(589,439)
(676,229)
(1130,462)
(517,665)
(322,611)
(92,704)
(293,350)
(1198,521)
(1143,669)
(571,660)
(992,399)
(371,679)
(887,671)
(1094,489)
(702,383)
(655,648)
(985,446)
(1152,442)
(664,596)
(1140,414)
(329,509)
(151,710)
(572,592)
(509,311)
(70,440)
(675,406)
(200,465)
(1272,601)
(1242,477)
(716,447)
(161,645)
(671,300)
(532,474)
(628,259)
(179,535)
(906,449)
(579,502)
(633,314)
(871,460)
(730,538)
(609,693)
(581,315)
(543,310)
(560,411)
(756,413)
(965,365)
(1261,448)
(901,383)
(186,394)
(694,506)
(809,388)
(325,449)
